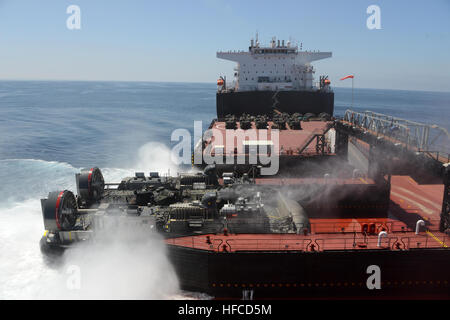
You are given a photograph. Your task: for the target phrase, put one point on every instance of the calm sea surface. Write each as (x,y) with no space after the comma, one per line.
(103,123)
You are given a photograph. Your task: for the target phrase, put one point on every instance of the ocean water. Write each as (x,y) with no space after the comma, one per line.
(50,130)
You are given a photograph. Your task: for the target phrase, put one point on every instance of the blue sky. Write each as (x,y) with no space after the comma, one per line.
(177,40)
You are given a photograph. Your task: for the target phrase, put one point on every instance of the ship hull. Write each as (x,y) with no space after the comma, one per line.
(340,274)
(264,102)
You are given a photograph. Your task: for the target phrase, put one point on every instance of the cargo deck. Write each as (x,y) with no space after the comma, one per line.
(409,203)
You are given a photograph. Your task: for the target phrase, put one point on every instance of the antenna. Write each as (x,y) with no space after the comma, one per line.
(294,41)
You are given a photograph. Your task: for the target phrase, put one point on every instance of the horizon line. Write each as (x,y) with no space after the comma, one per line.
(192,82)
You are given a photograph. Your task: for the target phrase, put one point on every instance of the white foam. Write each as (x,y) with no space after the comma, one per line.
(122,270)
(155,156)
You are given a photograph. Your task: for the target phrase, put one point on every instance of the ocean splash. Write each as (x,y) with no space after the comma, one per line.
(107,270)
(155,156)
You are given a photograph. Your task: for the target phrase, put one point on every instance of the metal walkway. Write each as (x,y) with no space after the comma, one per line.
(431,140)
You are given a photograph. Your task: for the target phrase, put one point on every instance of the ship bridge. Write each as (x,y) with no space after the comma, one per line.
(279,66)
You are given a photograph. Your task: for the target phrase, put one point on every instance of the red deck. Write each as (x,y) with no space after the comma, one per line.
(410,202)
(290,141)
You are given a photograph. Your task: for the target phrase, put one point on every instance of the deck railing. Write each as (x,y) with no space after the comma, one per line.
(395,241)
(329,227)
(351,227)
(415,136)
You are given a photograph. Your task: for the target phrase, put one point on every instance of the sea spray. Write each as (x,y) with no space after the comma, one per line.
(126,268)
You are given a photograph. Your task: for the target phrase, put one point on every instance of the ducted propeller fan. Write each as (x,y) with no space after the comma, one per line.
(60,211)
(90,185)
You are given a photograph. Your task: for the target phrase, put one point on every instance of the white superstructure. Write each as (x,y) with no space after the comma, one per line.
(279,66)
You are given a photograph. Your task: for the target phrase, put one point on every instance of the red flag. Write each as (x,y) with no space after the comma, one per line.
(347,77)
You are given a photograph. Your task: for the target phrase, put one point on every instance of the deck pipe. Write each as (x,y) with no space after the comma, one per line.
(380,236)
(418,225)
